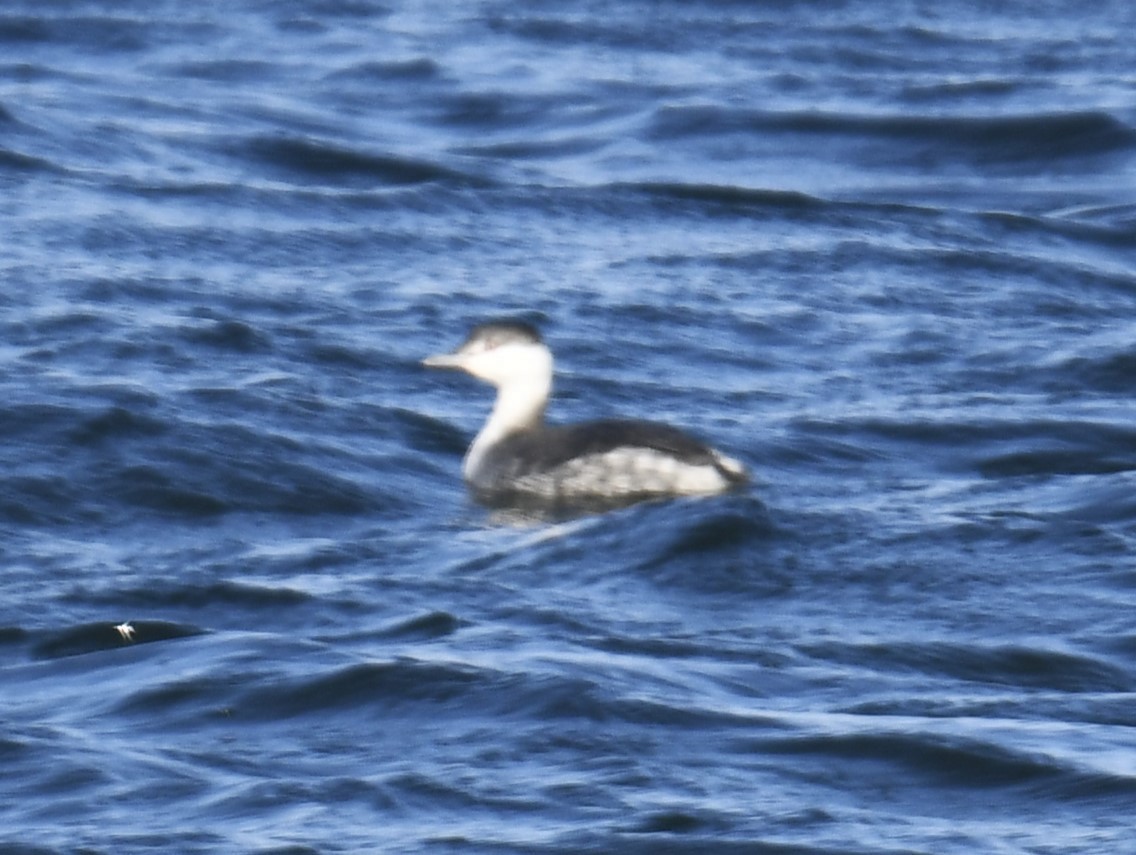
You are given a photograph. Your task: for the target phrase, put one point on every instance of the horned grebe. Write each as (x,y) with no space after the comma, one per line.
(516,457)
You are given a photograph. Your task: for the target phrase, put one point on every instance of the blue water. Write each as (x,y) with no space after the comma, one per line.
(883,253)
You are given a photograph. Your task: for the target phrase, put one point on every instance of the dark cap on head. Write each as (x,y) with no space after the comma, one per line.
(496,333)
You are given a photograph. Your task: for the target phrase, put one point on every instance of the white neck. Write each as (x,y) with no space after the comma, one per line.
(520,404)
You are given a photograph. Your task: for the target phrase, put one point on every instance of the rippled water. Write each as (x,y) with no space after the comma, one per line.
(885,255)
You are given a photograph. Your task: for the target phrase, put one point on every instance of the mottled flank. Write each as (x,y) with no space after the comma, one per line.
(616,474)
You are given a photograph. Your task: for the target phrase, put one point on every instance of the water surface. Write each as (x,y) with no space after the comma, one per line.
(884,255)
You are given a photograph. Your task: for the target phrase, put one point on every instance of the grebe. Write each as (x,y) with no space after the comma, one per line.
(516,457)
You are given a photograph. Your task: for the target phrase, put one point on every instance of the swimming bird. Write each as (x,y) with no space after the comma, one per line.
(517,458)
